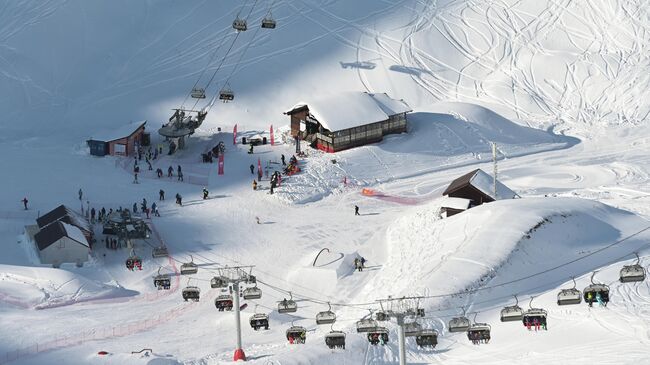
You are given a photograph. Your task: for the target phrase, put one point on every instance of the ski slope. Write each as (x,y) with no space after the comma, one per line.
(560,86)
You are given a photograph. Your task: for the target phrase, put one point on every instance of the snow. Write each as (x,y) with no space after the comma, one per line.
(122,131)
(75,233)
(485,183)
(455,203)
(561,87)
(352,109)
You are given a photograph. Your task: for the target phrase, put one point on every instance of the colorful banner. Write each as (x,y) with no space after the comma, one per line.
(272,139)
(259,168)
(234,135)
(221,164)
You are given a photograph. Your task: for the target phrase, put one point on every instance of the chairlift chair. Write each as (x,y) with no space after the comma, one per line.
(159,252)
(268,23)
(198,93)
(593,290)
(189,268)
(459,324)
(412,329)
(512,313)
(377,335)
(161,281)
(287,306)
(239,25)
(252,293)
(259,320)
(427,338)
(335,339)
(366,325)
(632,273)
(569,296)
(479,332)
(134,262)
(218,282)
(326,317)
(223,302)
(296,334)
(191,293)
(226,94)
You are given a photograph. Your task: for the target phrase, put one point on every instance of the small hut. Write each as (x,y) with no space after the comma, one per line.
(122,141)
(472,189)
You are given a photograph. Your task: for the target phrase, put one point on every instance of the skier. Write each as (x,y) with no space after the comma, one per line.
(159,172)
(250,149)
(363,262)
(135,208)
(179,169)
(25,202)
(356,210)
(180,175)
(170,171)
(143,204)
(154,209)
(146,211)
(254,184)
(179,199)
(135,178)
(161,195)
(272,186)
(356,263)
(257,219)
(284,163)
(252,169)
(205,193)
(92,215)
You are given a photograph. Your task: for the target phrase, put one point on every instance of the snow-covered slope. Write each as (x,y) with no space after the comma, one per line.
(526,74)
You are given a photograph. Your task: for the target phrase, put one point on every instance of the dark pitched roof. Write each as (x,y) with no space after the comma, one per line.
(460,182)
(55,231)
(66,215)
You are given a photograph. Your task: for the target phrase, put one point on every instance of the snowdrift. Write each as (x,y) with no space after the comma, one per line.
(41,288)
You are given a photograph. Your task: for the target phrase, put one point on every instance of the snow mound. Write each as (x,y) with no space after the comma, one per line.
(426,253)
(40,288)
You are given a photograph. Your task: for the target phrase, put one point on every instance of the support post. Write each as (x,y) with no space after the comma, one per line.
(239,352)
(402,342)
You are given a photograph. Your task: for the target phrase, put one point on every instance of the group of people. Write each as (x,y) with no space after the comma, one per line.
(298,338)
(292,167)
(113,243)
(376,338)
(478,337)
(359,263)
(598,298)
(145,209)
(536,323)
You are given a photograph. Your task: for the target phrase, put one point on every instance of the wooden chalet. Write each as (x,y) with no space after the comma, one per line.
(122,141)
(69,216)
(472,189)
(347,120)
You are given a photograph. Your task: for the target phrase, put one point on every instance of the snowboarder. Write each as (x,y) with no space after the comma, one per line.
(254,184)
(205,193)
(179,199)
(161,195)
(159,172)
(250,149)
(81,194)
(252,169)
(356,210)
(25,202)
(170,171)
(284,163)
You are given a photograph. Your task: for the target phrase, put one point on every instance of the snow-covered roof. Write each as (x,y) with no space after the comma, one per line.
(75,233)
(352,109)
(485,183)
(119,132)
(64,214)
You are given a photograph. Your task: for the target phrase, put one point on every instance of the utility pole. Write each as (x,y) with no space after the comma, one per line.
(494,161)
(400,309)
(234,276)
